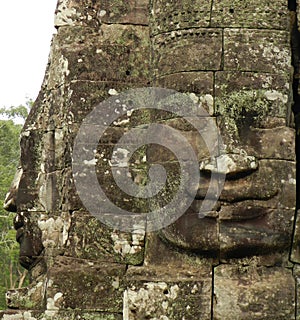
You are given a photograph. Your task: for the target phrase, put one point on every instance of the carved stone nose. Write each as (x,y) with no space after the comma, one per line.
(10,203)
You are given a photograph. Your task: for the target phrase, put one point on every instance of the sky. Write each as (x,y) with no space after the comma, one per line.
(26,29)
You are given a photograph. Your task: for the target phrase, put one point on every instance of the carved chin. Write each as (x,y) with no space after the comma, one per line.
(26,262)
(30,249)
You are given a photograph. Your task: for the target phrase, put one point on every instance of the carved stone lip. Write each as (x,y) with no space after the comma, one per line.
(19,220)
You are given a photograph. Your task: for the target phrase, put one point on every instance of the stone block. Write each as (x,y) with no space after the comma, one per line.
(200,83)
(167,300)
(109,55)
(122,55)
(29,298)
(296,273)
(249,292)
(84,284)
(276,143)
(257,50)
(56,314)
(247,102)
(160,153)
(35,195)
(168,295)
(124,12)
(90,239)
(173,15)
(175,52)
(54,229)
(70,13)
(164,259)
(93,13)
(227,82)
(295,251)
(21,315)
(255,14)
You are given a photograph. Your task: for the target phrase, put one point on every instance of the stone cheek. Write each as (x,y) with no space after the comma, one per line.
(90,239)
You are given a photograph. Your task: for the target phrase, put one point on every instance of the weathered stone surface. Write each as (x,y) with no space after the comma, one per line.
(61,315)
(30,298)
(155,290)
(167,300)
(257,50)
(161,259)
(158,153)
(175,52)
(129,12)
(54,231)
(230,58)
(251,292)
(255,14)
(93,13)
(276,143)
(79,284)
(173,15)
(236,230)
(271,259)
(90,239)
(296,273)
(124,48)
(296,8)
(266,93)
(264,184)
(197,82)
(231,165)
(20,315)
(269,232)
(295,252)
(29,237)
(69,13)
(194,234)
(34,194)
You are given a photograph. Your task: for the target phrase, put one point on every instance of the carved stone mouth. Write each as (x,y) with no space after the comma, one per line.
(19,220)
(20,235)
(29,239)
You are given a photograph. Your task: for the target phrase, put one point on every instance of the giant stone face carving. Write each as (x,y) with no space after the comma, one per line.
(232,59)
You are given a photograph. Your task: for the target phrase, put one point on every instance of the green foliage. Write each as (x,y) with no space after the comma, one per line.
(11,272)
(17,112)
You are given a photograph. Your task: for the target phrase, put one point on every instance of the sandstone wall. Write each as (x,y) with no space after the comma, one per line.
(235,59)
